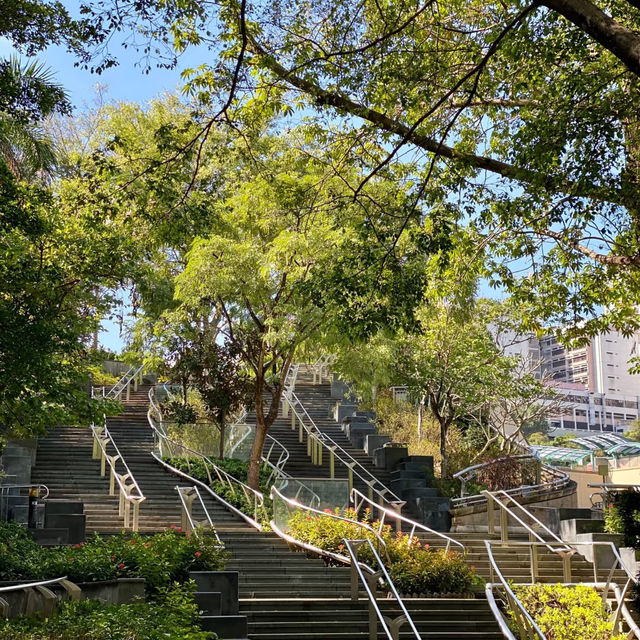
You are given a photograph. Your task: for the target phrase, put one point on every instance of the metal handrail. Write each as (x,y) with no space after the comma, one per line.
(131,496)
(492,498)
(390,627)
(165,444)
(130,376)
(275,493)
(489,589)
(187,495)
(320,368)
(358,498)
(317,439)
(513,600)
(516,604)
(3,487)
(560,480)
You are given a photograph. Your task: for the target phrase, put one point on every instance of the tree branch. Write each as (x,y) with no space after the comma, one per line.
(613,36)
(386,123)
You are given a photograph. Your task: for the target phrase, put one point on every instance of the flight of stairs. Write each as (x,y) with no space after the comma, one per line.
(284,594)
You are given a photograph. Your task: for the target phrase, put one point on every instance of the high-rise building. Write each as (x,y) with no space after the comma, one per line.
(599,391)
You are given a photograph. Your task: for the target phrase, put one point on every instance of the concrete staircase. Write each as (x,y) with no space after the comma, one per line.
(284,594)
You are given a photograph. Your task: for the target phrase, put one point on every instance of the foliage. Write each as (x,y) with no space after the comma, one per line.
(179,412)
(413,568)
(172,616)
(622,515)
(567,612)
(160,559)
(633,432)
(539,438)
(466,443)
(54,257)
(100,378)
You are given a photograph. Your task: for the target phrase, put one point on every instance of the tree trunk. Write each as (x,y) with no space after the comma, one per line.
(223,429)
(444,470)
(420,417)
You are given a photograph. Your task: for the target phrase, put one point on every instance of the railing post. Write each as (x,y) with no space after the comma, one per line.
(300,433)
(350,478)
(566,566)
(136,515)
(533,557)
(112,483)
(128,392)
(332,464)
(504,525)
(319,453)
(491,527)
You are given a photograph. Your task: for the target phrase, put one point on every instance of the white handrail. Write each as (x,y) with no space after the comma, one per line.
(493,498)
(165,445)
(131,496)
(187,496)
(132,375)
(275,493)
(358,498)
(317,440)
(369,583)
(515,603)
(511,597)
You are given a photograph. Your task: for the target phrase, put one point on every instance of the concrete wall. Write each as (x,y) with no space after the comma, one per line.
(475,517)
(627,475)
(582,480)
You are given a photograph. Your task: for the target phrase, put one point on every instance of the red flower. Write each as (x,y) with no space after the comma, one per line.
(426,545)
(197,554)
(70,559)
(473,568)
(121,565)
(113,557)
(328,511)
(341,547)
(149,544)
(77,546)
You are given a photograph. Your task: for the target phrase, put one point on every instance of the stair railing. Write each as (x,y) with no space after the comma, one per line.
(358,499)
(321,368)
(552,479)
(291,505)
(165,447)
(508,508)
(319,442)
(132,377)
(187,497)
(370,581)
(527,628)
(130,494)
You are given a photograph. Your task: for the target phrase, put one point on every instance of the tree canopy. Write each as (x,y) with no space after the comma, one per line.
(521,117)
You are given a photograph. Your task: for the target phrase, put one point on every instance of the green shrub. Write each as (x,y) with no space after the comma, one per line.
(160,559)
(173,616)
(567,613)
(413,568)
(622,515)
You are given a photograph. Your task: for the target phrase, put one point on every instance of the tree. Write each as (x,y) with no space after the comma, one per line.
(289,250)
(53,256)
(454,363)
(223,385)
(28,94)
(524,114)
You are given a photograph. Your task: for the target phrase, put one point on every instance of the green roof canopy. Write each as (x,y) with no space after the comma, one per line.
(562,454)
